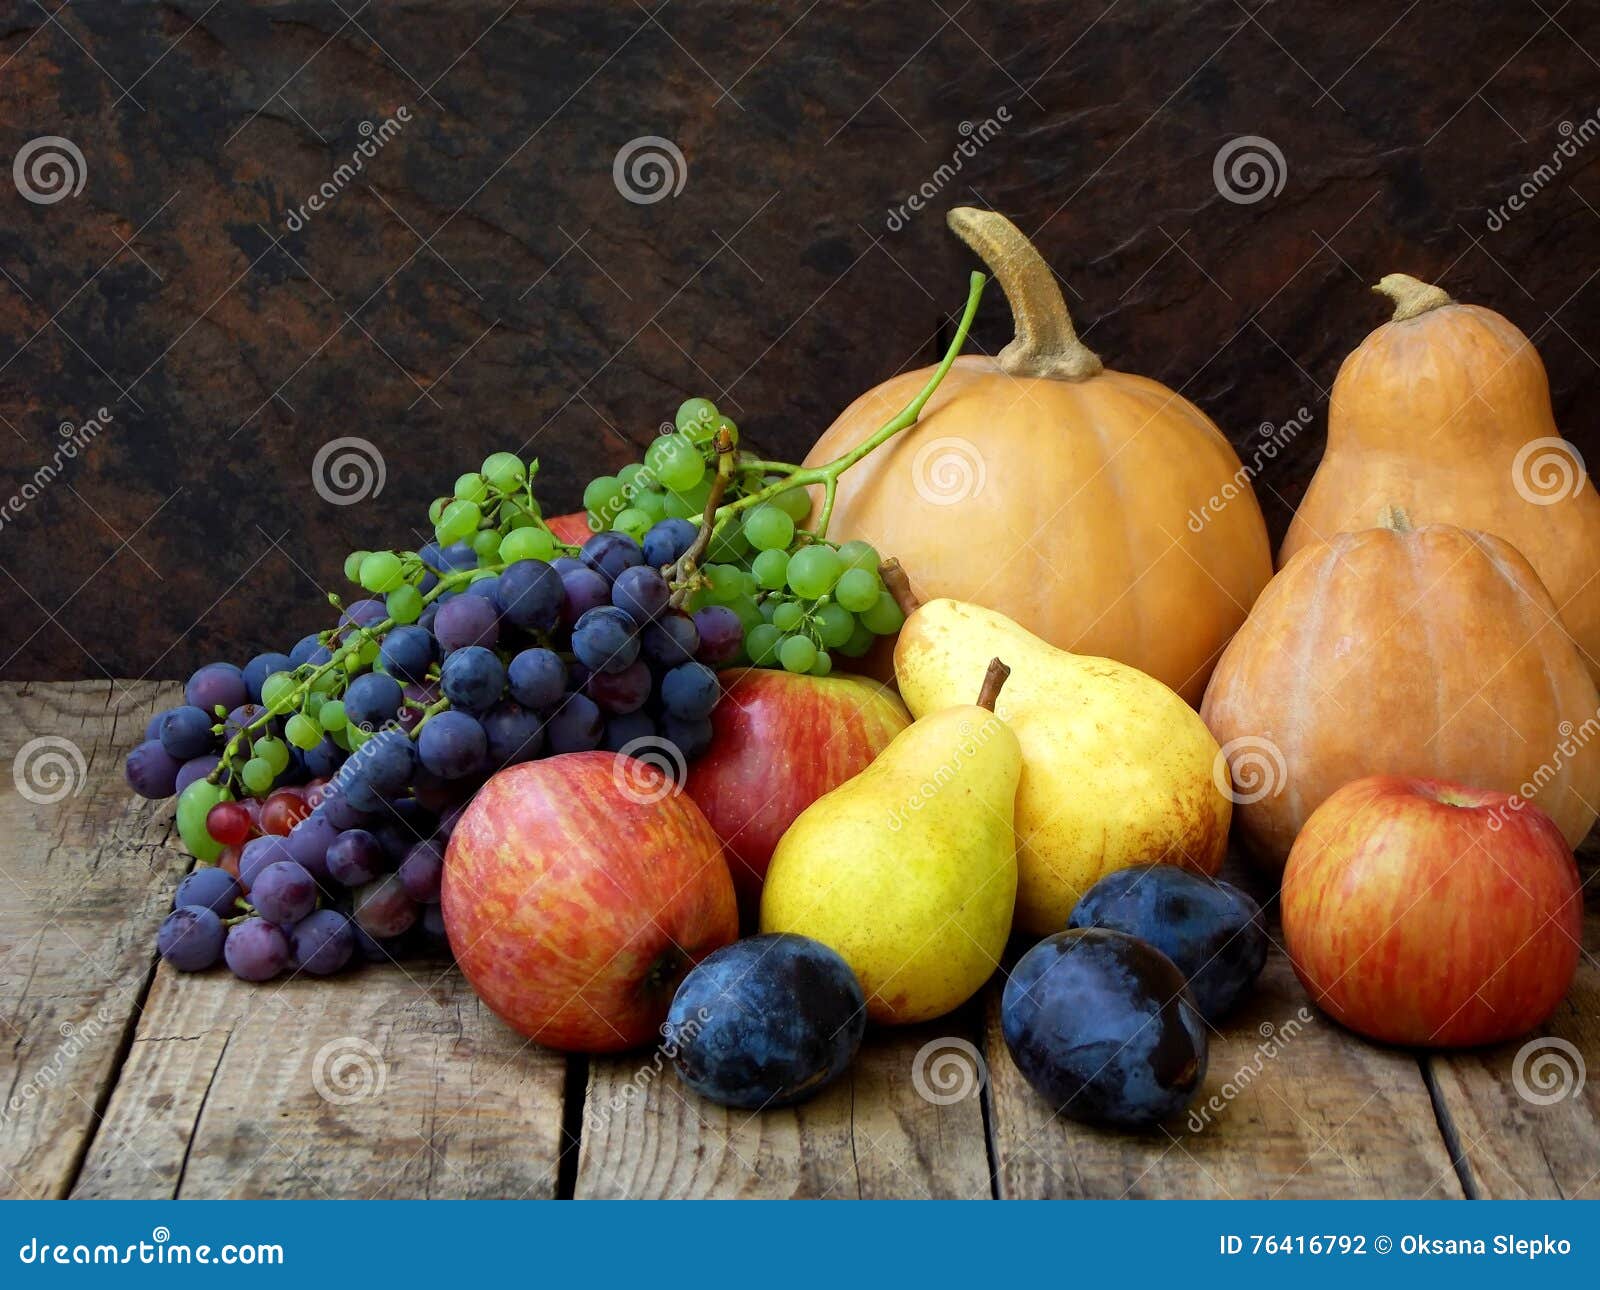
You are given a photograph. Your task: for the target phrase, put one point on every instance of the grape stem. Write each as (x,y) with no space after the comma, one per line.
(682,572)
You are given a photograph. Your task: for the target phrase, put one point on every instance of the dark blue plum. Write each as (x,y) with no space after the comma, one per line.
(473,678)
(453,744)
(216,685)
(605,639)
(1211,930)
(641,593)
(214,888)
(467,620)
(186,732)
(260,668)
(515,733)
(408,652)
(537,677)
(765,1021)
(151,770)
(1103,1026)
(610,553)
(575,726)
(690,691)
(529,594)
(667,540)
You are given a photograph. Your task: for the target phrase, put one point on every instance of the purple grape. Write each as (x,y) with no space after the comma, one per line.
(627,729)
(448,821)
(372,700)
(667,540)
(486,587)
(721,635)
(467,620)
(386,762)
(258,853)
(152,728)
(451,559)
(575,726)
(308,844)
(671,640)
(405,825)
(691,737)
(453,745)
(186,733)
(151,771)
(196,768)
(421,872)
(433,936)
(243,718)
(690,691)
(624,691)
(284,892)
(418,697)
(216,685)
(407,653)
(605,639)
(537,677)
(322,943)
(308,649)
(324,759)
(473,678)
(361,613)
(342,813)
(256,950)
(383,909)
(210,887)
(260,668)
(641,593)
(530,595)
(356,857)
(582,589)
(191,938)
(610,553)
(515,733)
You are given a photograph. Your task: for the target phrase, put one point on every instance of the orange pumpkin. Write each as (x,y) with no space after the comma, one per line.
(1445,411)
(1431,652)
(1101,510)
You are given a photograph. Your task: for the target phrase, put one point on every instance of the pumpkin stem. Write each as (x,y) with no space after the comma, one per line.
(1411,296)
(1395,518)
(1045,343)
(898,585)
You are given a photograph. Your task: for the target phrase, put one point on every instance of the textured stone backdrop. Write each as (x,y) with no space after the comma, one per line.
(482,283)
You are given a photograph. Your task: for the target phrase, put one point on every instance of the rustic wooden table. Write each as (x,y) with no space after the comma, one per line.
(126,1079)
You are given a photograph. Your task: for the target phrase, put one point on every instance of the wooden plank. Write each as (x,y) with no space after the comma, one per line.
(1302,1109)
(1526,1114)
(388,1082)
(872,1134)
(85,878)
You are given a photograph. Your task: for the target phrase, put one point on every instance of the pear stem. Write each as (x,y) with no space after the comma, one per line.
(993,679)
(898,585)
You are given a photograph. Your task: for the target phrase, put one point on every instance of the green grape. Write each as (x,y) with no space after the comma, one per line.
(748,611)
(788,615)
(273,751)
(458,521)
(504,471)
(326,682)
(352,565)
(355,736)
(367,651)
(768,607)
(629,479)
(257,775)
(857,589)
(276,691)
(823,664)
(697,418)
(486,542)
(404,604)
(303,732)
(603,496)
(771,569)
(761,643)
(331,715)
(728,546)
(471,488)
(634,522)
(768,529)
(653,504)
(382,571)
(676,462)
(835,624)
(341,738)
(813,570)
(680,507)
(194,804)
(793,502)
(725,583)
(436,509)
(797,654)
(884,618)
(513,516)
(857,554)
(527,544)
(859,643)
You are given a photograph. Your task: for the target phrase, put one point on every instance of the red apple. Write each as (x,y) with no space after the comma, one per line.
(779,742)
(578,892)
(1424,913)
(573,529)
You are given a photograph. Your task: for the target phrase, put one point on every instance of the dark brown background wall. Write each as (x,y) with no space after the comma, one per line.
(483,284)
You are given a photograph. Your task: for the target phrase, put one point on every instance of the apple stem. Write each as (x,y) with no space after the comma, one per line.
(993,679)
(898,585)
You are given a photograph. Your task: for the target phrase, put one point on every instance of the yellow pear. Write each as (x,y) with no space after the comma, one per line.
(909,870)
(1117,770)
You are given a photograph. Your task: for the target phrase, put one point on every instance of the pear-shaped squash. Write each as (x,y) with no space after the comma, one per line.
(1432,652)
(1445,411)
(1102,511)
